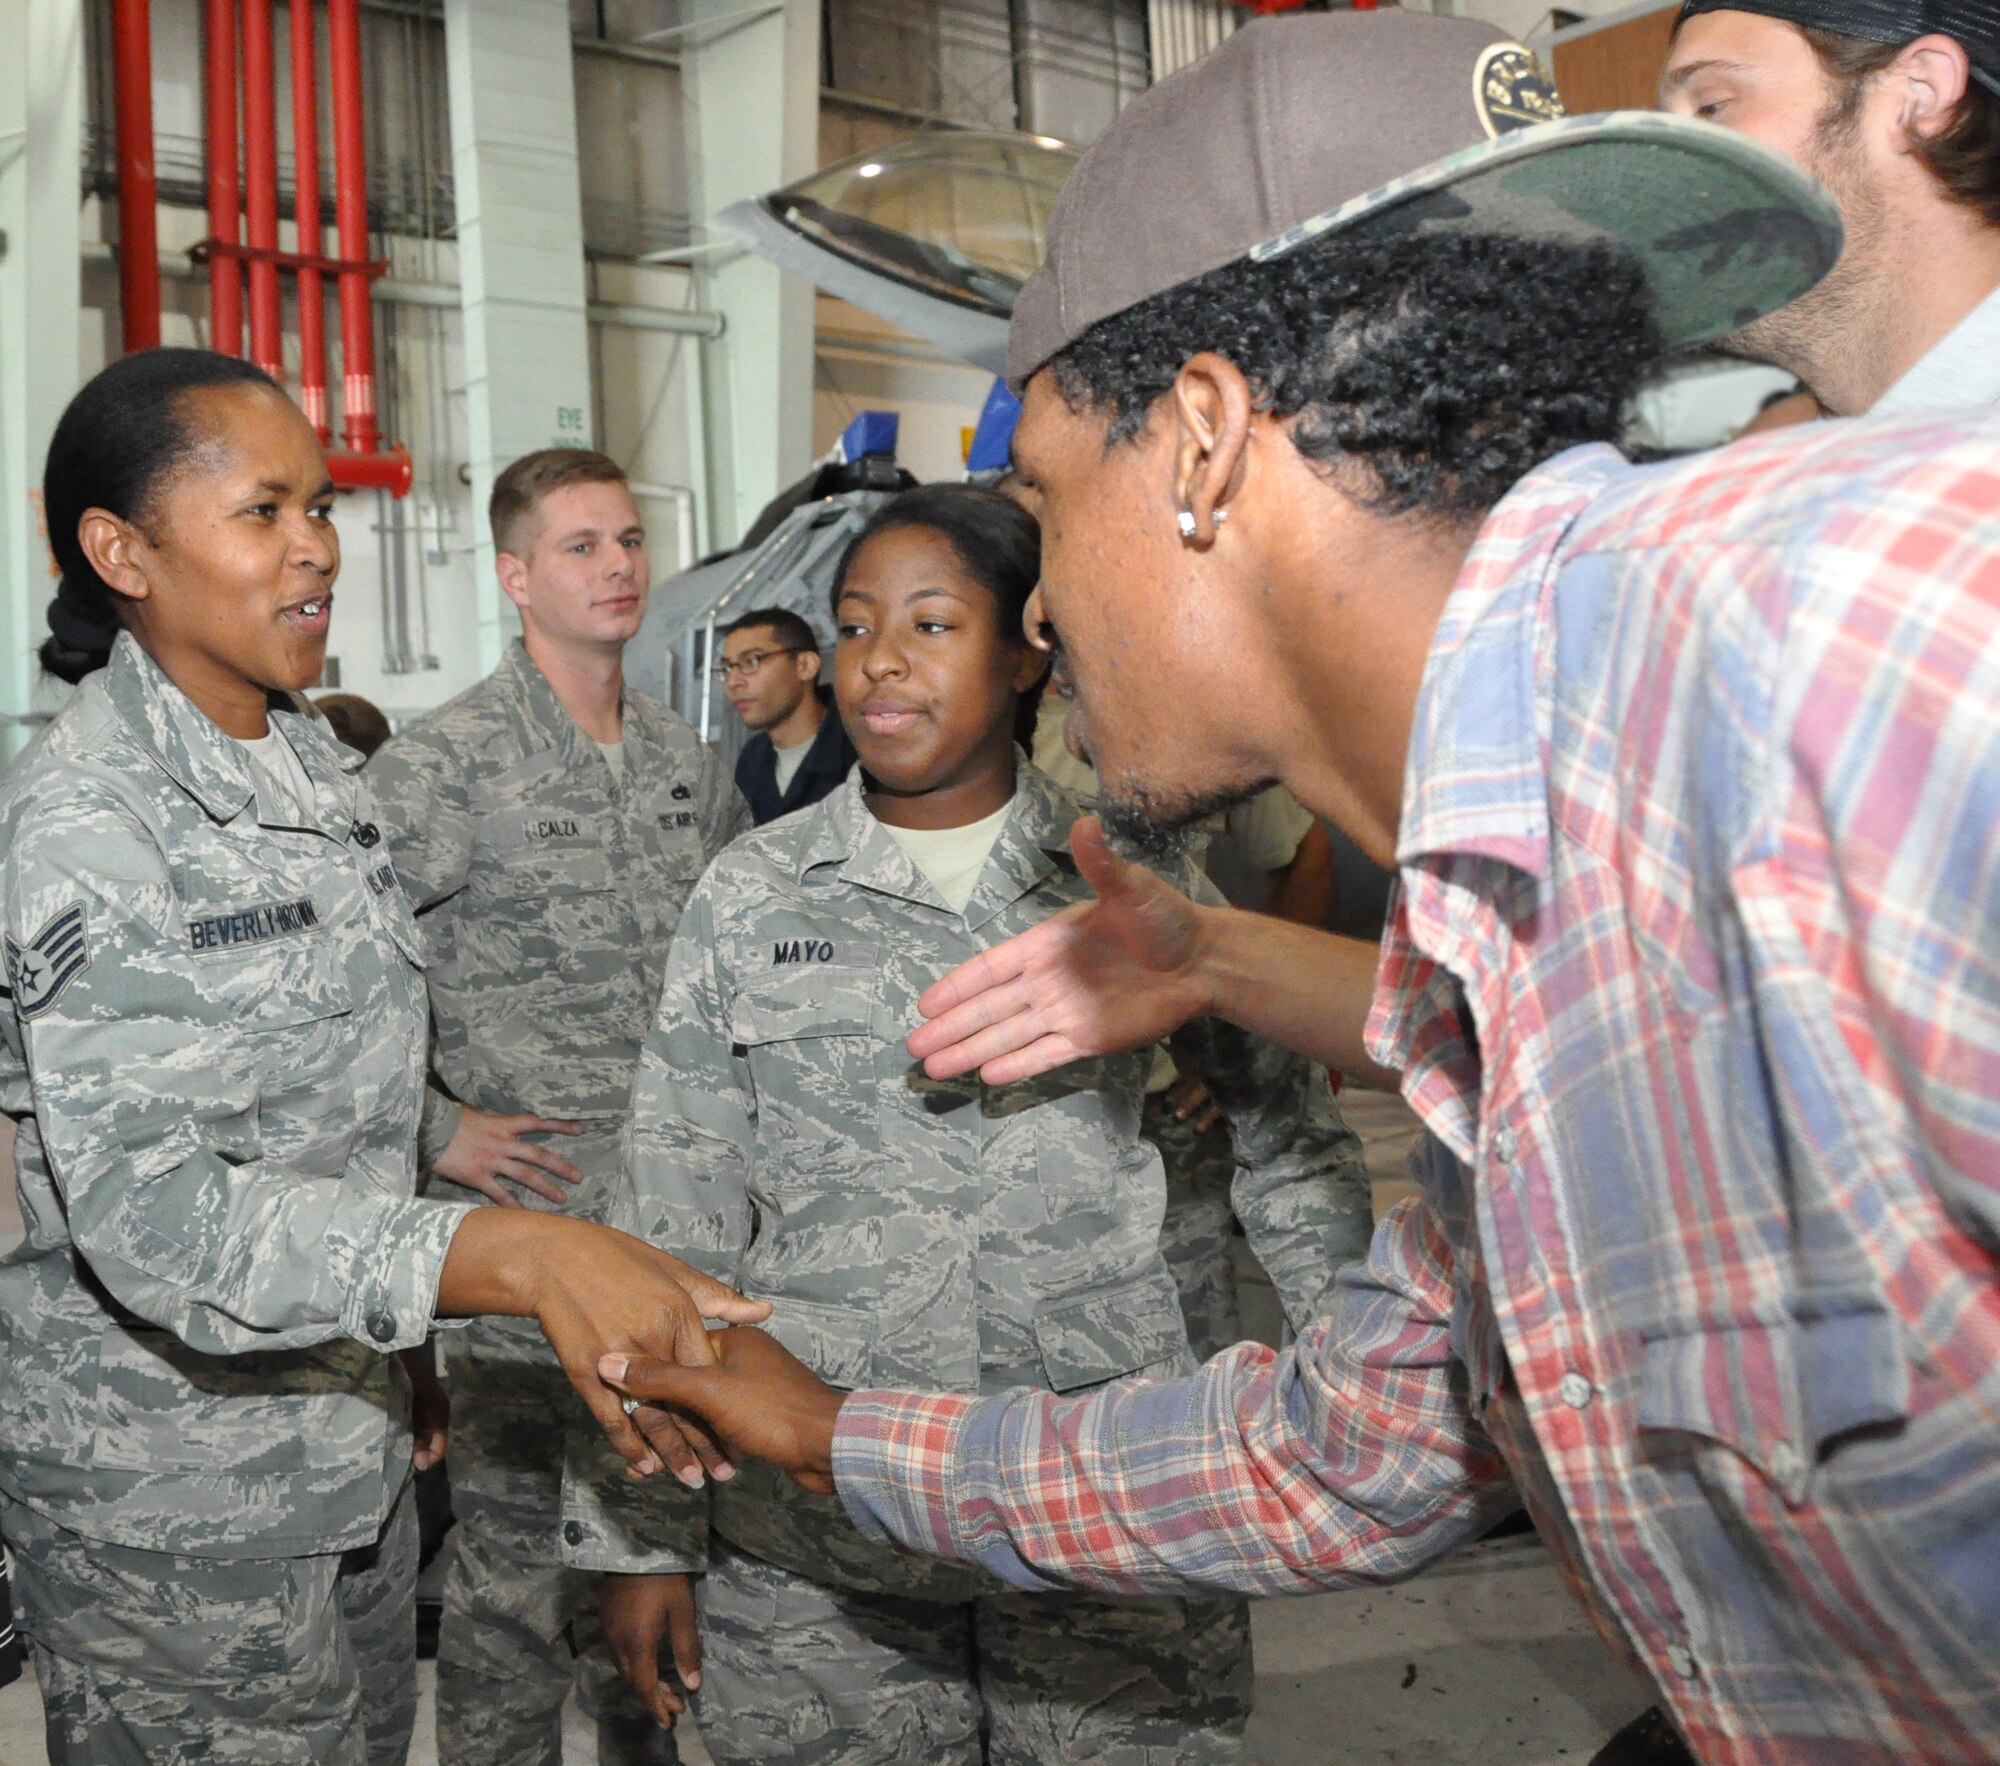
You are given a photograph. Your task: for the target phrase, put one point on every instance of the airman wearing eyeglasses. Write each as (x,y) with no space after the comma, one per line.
(798,750)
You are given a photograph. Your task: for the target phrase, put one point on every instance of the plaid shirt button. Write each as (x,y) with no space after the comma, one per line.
(1681,1660)
(1576,1391)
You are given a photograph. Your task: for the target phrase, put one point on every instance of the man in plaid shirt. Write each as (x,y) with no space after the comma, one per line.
(1692,776)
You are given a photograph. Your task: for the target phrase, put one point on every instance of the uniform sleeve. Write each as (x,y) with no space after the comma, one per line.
(148,1099)
(435,1127)
(1301,1188)
(725,811)
(420,799)
(421,803)
(685,1188)
(1350,1458)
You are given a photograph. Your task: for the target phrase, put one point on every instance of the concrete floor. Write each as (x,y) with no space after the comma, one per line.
(1483,1658)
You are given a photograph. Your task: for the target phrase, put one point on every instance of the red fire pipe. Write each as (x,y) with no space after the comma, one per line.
(305,212)
(260,176)
(138,186)
(357,338)
(393,472)
(225,274)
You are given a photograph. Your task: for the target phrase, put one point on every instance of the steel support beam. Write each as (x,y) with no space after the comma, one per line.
(520,250)
(750,92)
(41,127)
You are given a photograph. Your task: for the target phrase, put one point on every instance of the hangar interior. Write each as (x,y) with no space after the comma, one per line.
(547,270)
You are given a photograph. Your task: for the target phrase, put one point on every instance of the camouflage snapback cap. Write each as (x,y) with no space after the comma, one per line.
(1310,125)
(1726,229)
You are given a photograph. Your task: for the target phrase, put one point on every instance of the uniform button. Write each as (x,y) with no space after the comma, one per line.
(1785,1462)
(1681,1659)
(1503,1145)
(573,1532)
(382,1327)
(1576,1391)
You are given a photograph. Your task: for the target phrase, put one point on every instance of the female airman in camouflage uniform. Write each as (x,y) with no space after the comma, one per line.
(212,1042)
(912,1232)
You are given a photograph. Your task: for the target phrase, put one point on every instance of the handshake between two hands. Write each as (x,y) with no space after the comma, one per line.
(755,1398)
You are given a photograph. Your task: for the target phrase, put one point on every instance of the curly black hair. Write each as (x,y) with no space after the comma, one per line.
(1447,365)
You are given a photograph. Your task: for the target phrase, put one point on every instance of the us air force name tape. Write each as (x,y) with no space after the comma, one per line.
(258,925)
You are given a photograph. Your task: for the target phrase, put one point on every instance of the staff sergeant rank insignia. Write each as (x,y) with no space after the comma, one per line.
(278,919)
(38,971)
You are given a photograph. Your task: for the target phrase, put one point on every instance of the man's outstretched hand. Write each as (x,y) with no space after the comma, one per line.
(757,1398)
(1116,973)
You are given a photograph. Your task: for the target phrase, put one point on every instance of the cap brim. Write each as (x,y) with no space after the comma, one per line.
(1726,229)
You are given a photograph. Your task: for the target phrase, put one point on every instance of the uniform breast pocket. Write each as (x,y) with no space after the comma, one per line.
(1090,1158)
(284,995)
(810,1035)
(538,913)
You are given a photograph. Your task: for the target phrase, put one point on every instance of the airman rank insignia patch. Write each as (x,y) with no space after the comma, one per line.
(1512,90)
(39,970)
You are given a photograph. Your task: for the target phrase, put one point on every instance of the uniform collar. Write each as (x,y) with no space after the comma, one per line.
(1476,778)
(839,833)
(210,765)
(543,714)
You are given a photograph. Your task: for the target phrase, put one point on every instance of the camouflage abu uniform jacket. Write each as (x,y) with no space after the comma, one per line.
(549,893)
(214,1050)
(909,1231)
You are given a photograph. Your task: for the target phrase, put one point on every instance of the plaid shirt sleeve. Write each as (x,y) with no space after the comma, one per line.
(1351,1457)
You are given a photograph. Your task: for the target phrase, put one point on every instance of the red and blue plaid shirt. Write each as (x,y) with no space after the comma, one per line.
(1695,978)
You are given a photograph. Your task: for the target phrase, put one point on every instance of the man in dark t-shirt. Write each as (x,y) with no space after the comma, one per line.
(769,666)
